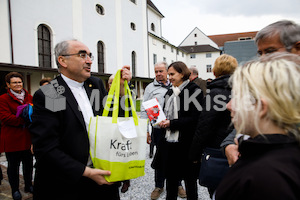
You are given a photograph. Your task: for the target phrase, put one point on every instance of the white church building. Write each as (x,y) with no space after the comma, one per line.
(118,32)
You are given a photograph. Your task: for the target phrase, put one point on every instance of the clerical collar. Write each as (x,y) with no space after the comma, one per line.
(71,82)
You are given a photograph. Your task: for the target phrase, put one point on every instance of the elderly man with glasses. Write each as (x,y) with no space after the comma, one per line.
(60,140)
(280,36)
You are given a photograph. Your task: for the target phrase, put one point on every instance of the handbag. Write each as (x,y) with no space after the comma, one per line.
(118,144)
(214,166)
(25,111)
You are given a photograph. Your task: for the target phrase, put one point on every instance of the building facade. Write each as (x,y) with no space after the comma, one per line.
(118,32)
(202,52)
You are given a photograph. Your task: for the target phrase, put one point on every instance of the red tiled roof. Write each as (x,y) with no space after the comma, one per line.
(199,48)
(221,39)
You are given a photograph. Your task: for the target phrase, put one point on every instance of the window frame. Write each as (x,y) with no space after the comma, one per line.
(154,58)
(133,63)
(44,46)
(152,27)
(100,9)
(101,57)
(132,26)
(208,68)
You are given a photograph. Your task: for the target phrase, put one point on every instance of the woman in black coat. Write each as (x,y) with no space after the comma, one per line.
(214,122)
(179,128)
(265,106)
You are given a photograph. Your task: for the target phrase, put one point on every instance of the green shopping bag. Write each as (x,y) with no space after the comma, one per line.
(118,144)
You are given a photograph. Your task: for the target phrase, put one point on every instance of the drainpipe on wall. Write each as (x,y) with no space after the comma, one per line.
(148,41)
(11,37)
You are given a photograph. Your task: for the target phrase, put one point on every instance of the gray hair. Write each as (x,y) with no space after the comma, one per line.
(162,63)
(194,70)
(61,48)
(111,77)
(288,31)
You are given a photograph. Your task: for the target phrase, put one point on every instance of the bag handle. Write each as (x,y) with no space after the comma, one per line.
(114,94)
(114,90)
(133,111)
(95,139)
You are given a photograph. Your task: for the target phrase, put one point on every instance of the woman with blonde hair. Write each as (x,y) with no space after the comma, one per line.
(265,105)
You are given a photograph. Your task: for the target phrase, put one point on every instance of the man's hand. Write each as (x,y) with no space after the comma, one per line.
(97,175)
(125,74)
(232,153)
(148,138)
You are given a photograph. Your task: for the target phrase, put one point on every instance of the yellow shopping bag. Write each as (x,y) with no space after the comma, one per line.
(118,144)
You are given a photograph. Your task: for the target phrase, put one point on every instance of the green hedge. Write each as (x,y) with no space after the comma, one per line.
(138,105)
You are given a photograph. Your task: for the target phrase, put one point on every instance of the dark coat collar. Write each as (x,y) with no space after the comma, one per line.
(71,99)
(264,143)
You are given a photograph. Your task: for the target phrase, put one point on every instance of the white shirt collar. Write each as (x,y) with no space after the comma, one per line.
(83,102)
(71,82)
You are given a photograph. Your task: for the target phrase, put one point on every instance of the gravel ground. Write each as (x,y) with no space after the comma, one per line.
(141,188)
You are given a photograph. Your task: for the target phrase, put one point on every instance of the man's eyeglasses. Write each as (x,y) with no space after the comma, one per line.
(83,55)
(268,51)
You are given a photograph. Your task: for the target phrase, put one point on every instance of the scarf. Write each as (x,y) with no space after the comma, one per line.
(20,96)
(171,111)
(166,85)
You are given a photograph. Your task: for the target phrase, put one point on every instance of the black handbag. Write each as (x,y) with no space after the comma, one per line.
(214,166)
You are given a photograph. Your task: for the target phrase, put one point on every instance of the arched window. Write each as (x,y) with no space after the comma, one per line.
(133,63)
(153,27)
(132,25)
(100,9)
(44,46)
(100,51)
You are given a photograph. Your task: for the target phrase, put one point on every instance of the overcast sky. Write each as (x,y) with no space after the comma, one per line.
(215,17)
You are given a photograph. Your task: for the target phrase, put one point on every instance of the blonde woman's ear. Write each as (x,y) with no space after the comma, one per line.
(264,108)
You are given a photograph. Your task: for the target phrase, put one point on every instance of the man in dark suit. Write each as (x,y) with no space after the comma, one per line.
(199,81)
(61,115)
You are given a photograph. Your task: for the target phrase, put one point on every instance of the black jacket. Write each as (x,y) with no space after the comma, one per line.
(61,145)
(168,154)
(269,168)
(214,121)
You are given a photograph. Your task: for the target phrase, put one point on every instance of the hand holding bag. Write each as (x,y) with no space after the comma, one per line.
(214,166)
(113,146)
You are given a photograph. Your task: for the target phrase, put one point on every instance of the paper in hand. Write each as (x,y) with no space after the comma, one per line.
(154,111)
